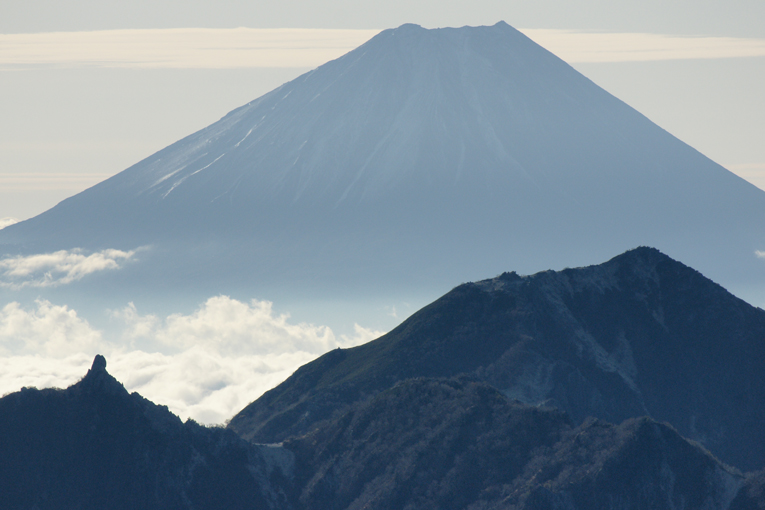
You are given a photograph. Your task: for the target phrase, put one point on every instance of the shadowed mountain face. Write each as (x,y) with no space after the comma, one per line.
(424,443)
(446,444)
(421,158)
(641,334)
(94,446)
(752,495)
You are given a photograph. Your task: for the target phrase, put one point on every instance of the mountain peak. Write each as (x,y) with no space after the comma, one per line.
(644,254)
(100,381)
(99,364)
(89,447)
(641,334)
(410,27)
(421,158)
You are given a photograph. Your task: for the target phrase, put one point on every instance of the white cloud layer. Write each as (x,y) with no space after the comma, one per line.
(180,48)
(49,331)
(5,222)
(593,47)
(206,365)
(57,268)
(207,48)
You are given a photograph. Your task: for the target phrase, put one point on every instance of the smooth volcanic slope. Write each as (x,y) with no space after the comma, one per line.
(641,334)
(421,158)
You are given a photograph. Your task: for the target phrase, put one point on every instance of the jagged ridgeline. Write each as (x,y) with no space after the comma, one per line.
(424,443)
(95,446)
(641,334)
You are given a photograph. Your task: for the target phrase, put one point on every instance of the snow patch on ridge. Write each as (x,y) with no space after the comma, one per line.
(180,181)
(208,165)
(166,177)
(245,136)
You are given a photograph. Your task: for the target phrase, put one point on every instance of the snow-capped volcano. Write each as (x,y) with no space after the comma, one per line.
(421,157)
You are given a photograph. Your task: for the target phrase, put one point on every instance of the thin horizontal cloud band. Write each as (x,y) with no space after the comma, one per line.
(180,48)
(595,47)
(204,48)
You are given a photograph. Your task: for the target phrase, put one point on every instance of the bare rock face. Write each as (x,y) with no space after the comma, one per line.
(641,334)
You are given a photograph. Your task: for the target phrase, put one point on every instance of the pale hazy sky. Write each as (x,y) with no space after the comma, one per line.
(91,87)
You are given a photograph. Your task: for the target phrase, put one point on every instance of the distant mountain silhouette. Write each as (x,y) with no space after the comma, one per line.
(94,446)
(421,158)
(641,334)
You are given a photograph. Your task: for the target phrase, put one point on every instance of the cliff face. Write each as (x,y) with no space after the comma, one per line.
(641,334)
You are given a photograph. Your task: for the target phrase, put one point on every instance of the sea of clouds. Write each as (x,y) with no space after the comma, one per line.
(206,365)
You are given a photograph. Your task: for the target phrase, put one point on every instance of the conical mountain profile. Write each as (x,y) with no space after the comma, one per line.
(421,158)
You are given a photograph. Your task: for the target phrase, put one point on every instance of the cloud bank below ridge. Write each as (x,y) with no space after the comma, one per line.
(206,365)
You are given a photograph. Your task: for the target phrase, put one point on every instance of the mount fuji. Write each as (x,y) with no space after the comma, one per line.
(420,159)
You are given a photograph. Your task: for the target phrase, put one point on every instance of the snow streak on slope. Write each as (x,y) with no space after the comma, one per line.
(421,158)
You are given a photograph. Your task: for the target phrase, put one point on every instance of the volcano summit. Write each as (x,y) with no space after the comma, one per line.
(421,158)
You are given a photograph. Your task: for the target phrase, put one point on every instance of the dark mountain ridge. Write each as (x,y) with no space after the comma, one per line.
(452,444)
(640,334)
(94,446)
(424,443)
